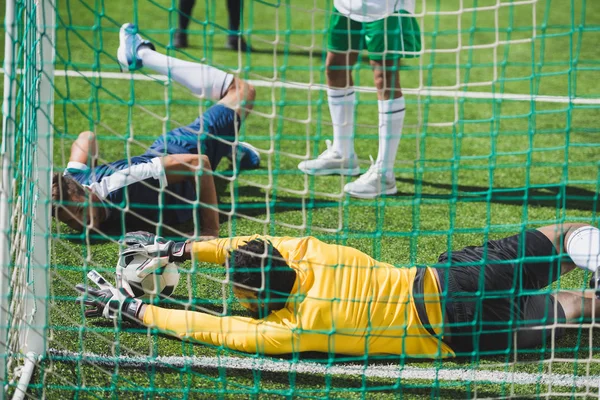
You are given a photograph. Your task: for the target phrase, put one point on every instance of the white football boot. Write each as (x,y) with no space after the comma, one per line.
(330,162)
(129,44)
(373,183)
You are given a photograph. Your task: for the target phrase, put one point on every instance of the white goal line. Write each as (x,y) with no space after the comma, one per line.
(388,371)
(457,94)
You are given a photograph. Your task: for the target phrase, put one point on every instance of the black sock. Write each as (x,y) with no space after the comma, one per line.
(185,12)
(234,7)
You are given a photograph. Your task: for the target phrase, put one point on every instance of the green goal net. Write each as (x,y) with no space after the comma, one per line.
(500,135)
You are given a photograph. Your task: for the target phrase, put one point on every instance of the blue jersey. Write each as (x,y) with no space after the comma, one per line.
(135,193)
(212,133)
(135,190)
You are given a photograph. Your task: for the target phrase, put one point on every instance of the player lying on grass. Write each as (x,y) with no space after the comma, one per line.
(313,296)
(130,191)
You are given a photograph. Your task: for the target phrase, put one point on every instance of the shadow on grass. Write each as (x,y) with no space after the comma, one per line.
(559,196)
(276,204)
(556,196)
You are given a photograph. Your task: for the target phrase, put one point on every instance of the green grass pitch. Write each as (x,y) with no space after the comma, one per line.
(467,169)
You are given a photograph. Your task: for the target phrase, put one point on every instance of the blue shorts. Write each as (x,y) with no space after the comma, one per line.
(211,134)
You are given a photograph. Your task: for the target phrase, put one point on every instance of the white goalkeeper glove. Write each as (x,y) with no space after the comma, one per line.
(154,246)
(107,301)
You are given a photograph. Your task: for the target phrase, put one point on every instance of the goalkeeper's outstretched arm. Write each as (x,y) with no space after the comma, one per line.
(264,336)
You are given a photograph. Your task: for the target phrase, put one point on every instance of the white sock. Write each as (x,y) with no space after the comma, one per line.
(391,118)
(583,246)
(202,80)
(341,107)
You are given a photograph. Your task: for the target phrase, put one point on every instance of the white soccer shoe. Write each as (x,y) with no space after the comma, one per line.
(330,162)
(129,44)
(373,183)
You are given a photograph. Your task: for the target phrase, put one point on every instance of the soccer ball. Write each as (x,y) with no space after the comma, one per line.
(135,274)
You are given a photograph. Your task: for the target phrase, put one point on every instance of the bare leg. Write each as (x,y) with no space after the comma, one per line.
(240,97)
(338,69)
(559,234)
(577,305)
(387,79)
(83,147)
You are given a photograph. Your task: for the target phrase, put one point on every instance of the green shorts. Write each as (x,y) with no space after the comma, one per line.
(397,36)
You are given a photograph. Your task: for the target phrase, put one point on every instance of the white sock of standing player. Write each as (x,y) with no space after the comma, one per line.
(391,119)
(202,80)
(341,108)
(583,246)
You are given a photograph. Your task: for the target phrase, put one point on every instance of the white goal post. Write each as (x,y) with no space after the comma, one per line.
(25,190)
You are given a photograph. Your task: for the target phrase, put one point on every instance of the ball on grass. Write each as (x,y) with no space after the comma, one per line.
(140,281)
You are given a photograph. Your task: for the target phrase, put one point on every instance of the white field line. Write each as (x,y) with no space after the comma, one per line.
(315,86)
(389,371)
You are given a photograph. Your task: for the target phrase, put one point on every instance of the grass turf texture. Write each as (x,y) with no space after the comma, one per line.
(467,169)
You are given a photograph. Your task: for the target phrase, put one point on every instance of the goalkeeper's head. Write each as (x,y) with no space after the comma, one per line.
(75,205)
(262,279)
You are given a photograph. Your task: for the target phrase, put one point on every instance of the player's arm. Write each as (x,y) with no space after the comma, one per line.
(214,251)
(265,336)
(84,147)
(268,336)
(181,167)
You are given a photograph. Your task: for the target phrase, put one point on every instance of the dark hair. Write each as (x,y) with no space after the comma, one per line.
(258,259)
(65,189)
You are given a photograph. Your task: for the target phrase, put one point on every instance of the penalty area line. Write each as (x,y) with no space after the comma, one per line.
(447,93)
(387,371)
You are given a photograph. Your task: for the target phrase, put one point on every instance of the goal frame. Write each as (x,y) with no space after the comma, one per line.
(37,73)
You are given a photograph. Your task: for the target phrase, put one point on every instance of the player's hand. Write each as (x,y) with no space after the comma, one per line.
(155,246)
(107,301)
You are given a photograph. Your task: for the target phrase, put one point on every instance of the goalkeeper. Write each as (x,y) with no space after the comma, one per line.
(312,296)
(129,191)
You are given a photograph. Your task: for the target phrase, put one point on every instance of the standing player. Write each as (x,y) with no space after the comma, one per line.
(311,296)
(235,8)
(172,182)
(388,32)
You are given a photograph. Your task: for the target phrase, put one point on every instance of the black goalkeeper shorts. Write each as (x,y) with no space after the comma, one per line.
(495,295)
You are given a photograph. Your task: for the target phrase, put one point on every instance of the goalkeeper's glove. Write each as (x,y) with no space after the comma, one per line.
(154,246)
(107,301)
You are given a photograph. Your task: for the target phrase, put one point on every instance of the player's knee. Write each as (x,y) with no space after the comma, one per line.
(379,79)
(336,60)
(337,69)
(85,140)
(249,94)
(88,136)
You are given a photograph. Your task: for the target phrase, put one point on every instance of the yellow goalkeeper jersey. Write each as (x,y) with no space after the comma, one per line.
(343,301)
